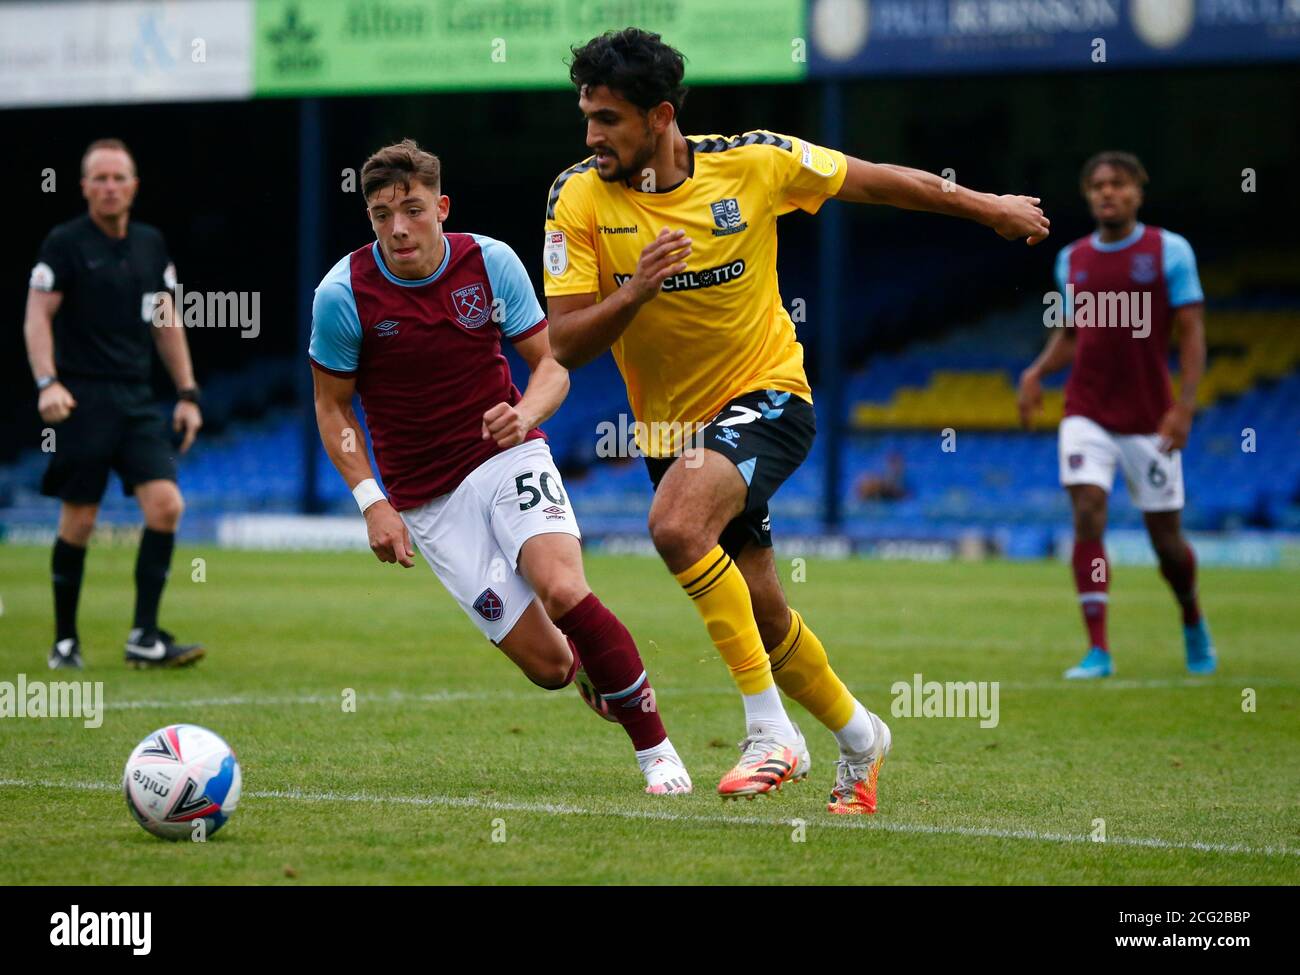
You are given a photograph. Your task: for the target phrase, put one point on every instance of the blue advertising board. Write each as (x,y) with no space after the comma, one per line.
(856,38)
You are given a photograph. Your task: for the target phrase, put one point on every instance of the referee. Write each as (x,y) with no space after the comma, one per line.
(98,286)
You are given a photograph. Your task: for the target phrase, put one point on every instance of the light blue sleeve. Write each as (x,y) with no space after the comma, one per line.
(519,309)
(335,325)
(1181,279)
(1063,267)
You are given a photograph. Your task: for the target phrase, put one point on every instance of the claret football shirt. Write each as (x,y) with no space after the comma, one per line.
(1129,290)
(427,356)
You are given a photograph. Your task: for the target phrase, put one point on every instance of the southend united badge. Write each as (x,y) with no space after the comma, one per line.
(726,216)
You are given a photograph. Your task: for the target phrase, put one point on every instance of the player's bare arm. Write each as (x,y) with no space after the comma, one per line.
(55,402)
(174,350)
(548,384)
(583,328)
(1012,217)
(340,433)
(1176,425)
(1058,354)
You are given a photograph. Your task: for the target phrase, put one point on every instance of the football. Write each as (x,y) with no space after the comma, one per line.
(179,776)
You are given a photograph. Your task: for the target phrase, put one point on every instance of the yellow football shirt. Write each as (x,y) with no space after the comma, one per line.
(718,330)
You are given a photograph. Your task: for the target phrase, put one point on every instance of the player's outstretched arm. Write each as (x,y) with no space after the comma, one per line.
(1012,217)
(548,384)
(583,328)
(341,435)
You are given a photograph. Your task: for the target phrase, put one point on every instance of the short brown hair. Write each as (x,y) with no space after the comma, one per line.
(399,165)
(106,144)
(1120,160)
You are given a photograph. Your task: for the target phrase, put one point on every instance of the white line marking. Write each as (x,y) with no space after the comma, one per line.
(870,690)
(665,816)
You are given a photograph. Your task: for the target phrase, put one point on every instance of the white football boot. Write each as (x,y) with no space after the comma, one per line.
(854,792)
(667,776)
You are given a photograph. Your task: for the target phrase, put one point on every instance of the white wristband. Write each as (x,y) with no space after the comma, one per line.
(367,493)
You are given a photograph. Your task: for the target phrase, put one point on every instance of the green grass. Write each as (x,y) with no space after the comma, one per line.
(448,737)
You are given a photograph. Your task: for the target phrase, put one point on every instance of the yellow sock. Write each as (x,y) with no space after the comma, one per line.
(722,598)
(802,670)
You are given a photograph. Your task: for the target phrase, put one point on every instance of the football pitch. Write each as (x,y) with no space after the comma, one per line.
(454,769)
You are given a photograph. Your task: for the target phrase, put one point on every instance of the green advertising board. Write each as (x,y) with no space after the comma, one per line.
(327,47)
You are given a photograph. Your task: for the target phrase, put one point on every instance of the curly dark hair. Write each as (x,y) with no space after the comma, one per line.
(633,63)
(1120,160)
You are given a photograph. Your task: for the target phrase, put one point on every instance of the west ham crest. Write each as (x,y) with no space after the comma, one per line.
(471,305)
(489,606)
(1144,268)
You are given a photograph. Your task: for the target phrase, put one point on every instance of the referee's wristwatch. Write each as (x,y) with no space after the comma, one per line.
(45,382)
(190,394)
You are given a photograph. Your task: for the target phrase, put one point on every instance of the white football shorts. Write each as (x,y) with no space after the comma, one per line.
(471,537)
(1089,453)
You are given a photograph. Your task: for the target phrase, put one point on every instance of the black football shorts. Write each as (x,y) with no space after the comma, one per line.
(767,434)
(115,426)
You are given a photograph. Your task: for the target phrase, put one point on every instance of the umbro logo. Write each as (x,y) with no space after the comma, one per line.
(388,327)
(554,513)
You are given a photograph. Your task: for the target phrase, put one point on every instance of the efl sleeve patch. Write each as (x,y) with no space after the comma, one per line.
(555,253)
(569,253)
(818,160)
(808,176)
